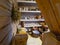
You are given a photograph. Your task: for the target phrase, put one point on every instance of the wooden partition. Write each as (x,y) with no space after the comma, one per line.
(5,22)
(7,28)
(51,12)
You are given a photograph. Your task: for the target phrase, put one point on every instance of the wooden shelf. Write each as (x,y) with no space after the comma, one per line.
(32,20)
(31,11)
(26,1)
(32,25)
(28,12)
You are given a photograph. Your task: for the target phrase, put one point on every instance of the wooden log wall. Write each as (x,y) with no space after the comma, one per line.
(6,25)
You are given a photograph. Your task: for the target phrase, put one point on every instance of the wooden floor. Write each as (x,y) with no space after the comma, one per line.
(33,41)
